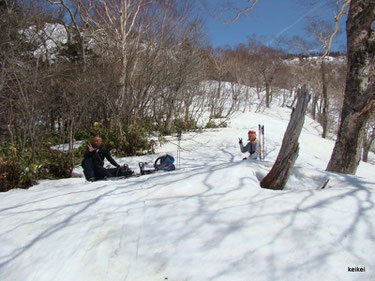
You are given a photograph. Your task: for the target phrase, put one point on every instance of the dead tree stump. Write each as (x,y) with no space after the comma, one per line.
(278,176)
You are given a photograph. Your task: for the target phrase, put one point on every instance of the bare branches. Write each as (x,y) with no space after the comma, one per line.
(239,12)
(244,11)
(343,11)
(65,6)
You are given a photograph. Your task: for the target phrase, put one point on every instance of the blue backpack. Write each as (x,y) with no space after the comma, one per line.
(164,163)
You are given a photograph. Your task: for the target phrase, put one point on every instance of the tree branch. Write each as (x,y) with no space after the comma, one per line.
(239,13)
(343,11)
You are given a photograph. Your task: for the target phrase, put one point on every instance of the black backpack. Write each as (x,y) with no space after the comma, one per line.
(122,171)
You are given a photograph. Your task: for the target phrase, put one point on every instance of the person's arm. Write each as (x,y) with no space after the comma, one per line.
(89,153)
(110,159)
(244,148)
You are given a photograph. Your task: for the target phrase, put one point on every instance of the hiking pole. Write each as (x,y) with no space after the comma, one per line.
(260,141)
(179,135)
(264,148)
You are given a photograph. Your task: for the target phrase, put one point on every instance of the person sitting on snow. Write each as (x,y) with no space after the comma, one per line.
(252,147)
(93,161)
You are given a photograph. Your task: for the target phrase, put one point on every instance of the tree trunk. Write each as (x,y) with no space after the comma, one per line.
(258,92)
(218,110)
(293,102)
(324,112)
(313,106)
(70,135)
(365,152)
(187,110)
(359,97)
(170,117)
(368,140)
(278,176)
(246,99)
(268,95)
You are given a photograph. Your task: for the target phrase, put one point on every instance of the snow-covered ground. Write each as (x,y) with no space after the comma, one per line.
(208,220)
(65,147)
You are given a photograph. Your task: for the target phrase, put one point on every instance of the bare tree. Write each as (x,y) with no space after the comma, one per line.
(215,88)
(267,63)
(75,30)
(359,98)
(239,64)
(20,78)
(322,31)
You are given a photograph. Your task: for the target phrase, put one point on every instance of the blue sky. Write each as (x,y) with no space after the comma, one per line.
(270,20)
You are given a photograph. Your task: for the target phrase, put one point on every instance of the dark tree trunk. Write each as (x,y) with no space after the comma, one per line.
(359,97)
(278,176)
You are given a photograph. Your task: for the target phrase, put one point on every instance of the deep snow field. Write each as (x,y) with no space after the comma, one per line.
(208,220)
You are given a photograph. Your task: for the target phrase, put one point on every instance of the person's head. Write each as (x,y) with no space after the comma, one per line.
(97,141)
(252,135)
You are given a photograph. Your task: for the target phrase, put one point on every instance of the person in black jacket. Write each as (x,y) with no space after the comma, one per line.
(93,162)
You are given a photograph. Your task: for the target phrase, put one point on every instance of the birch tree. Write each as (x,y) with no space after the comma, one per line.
(359,99)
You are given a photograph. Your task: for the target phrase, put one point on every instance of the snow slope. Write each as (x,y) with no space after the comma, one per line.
(208,220)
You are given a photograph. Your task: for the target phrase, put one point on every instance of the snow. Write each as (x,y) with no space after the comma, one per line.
(65,147)
(47,39)
(208,220)
(336,60)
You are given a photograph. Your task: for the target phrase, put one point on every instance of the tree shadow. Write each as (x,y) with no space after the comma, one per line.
(210,217)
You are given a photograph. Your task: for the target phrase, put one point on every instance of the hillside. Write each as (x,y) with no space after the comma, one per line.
(208,220)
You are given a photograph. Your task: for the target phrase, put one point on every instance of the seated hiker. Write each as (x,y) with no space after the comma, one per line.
(93,161)
(252,147)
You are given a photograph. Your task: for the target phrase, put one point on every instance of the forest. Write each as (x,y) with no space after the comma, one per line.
(131,71)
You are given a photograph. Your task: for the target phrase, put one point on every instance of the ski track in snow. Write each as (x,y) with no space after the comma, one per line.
(208,220)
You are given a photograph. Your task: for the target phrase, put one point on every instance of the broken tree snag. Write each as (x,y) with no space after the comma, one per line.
(278,176)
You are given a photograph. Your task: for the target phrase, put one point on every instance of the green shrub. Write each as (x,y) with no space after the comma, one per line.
(135,139)
(184,125)
(22,168)
(18,170)
(55,164)
(212,125)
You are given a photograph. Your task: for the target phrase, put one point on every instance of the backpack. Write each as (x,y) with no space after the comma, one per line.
(123,171)
(164,163)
